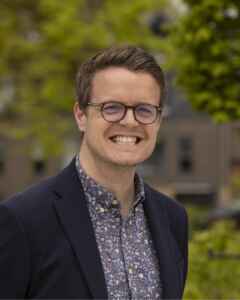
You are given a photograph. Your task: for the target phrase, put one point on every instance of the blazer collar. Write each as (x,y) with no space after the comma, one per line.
(73,213)
(168,254)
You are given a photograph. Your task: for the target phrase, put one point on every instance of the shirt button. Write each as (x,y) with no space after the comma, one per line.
(115,202)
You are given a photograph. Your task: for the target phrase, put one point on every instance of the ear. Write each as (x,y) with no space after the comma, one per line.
(80,117)
(158,124)
(160,121)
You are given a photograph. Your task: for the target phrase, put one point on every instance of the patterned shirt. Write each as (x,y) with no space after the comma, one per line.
(126,249)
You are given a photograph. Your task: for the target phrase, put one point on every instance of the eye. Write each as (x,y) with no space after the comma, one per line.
(112,108)
(145,110)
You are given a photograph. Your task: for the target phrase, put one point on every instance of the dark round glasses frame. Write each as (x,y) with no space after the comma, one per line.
(156,111)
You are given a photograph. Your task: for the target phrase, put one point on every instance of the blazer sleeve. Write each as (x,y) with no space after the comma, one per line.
(179,227)
(14,256)
(184,244)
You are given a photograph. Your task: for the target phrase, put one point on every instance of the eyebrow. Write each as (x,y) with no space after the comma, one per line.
(118,101)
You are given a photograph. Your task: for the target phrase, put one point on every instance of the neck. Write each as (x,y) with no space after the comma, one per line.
(117,179)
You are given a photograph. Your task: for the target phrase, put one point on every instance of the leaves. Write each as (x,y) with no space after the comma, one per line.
(42,44)
(214,263)
(204,51)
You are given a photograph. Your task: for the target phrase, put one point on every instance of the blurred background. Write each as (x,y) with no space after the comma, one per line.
(197,158)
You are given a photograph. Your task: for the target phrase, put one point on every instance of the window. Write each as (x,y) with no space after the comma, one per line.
(2,158)
(39,163)
(185,155)
(158,23)
(39,166)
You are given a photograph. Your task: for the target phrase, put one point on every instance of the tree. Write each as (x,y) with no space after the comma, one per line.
(43,42)
(204,50)
(214,263)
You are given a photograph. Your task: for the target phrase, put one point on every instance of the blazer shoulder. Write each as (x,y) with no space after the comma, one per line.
(176,216)
(37,200)
(172,206)
(34,201)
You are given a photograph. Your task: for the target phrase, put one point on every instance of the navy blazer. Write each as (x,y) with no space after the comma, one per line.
(48,248)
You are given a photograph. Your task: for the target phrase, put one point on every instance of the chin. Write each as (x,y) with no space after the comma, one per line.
(128,161)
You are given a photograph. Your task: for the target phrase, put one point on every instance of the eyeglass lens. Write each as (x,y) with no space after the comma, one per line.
(143,113)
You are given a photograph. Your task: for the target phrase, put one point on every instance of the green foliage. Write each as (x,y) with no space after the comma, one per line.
(197,215)
(204,50)
(214,268)
(42,44)
(235,186)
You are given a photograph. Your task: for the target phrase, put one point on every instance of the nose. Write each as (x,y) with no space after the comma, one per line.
(129,119)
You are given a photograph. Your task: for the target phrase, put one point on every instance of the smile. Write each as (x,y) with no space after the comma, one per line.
(127,140)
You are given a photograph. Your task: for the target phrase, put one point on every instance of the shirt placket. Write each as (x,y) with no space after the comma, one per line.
(127,253)
(115,276)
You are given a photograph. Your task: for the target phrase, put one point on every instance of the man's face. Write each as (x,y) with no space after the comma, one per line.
(101,140)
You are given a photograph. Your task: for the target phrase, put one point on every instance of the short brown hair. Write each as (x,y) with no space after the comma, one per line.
(132,58)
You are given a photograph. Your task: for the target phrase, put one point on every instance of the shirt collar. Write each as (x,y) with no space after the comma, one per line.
(100,195)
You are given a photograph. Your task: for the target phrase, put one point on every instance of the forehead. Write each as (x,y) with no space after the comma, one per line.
(122,84)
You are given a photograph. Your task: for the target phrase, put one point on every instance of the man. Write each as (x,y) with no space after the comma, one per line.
(96,230)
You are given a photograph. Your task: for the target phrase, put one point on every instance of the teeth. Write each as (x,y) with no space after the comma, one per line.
(125,139)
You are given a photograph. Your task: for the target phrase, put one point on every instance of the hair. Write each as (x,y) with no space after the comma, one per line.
(131,58)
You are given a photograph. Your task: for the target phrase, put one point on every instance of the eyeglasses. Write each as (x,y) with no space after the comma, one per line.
(114,111)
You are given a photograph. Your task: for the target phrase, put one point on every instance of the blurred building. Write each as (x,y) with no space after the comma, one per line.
(195,159)
(20,166)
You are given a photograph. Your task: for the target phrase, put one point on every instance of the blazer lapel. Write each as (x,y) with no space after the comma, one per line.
(73,213)
(162,238)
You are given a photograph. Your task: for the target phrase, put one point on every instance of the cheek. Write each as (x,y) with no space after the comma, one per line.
(152,134)
(152,142)
(96,130)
